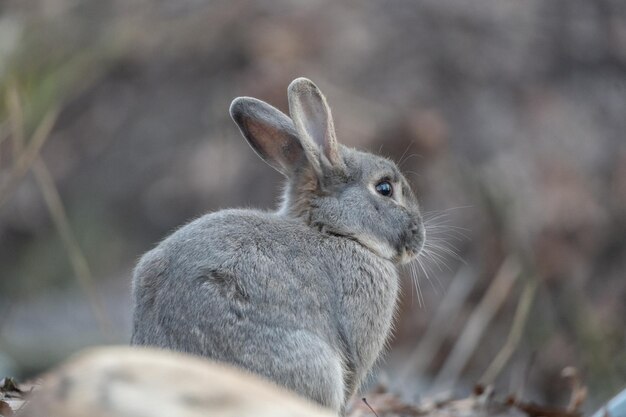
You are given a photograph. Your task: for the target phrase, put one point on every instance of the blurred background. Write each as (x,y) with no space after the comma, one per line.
(508,116)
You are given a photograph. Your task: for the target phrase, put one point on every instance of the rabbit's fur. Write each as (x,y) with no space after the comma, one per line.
(304,296)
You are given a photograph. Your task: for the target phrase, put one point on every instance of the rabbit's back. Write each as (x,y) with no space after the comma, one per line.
(236,264)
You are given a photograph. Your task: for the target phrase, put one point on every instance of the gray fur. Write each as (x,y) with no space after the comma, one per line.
(304,296)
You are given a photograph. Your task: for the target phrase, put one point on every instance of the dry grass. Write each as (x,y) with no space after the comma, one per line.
(25,155)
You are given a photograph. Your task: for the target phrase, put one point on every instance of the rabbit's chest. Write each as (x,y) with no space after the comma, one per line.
(370,291)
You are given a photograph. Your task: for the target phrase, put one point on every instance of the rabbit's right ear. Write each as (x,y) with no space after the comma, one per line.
(314,122)
(269,132)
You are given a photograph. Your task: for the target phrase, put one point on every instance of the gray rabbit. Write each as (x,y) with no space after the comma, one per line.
(304,296)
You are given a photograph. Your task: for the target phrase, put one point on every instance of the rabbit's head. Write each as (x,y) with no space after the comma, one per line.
(341,191)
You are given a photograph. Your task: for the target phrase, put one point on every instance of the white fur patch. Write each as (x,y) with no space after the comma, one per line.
(382,249)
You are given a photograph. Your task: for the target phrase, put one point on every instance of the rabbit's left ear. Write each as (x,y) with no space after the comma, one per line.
(270,133)
(314,122)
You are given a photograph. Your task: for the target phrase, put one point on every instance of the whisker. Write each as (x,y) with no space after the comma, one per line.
(410,271)
(419,287)
(436,219)
(412,173)
(442,235)
(437,259)
(447,210)
(413,155)
(450,252)
(404,153)
(440,244)
(434,226)
(412,276)
(439,235)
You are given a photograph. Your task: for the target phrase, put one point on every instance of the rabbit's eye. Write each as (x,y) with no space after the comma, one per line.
(384,188)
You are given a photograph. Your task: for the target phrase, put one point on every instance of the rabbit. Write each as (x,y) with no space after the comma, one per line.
(304,296)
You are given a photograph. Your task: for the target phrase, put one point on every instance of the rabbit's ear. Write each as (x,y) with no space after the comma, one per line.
(269,132)
(314,122)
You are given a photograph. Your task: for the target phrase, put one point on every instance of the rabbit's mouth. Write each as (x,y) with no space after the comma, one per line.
(406,255)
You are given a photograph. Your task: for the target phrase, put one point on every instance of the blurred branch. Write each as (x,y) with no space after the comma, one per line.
(75,254)
(28,158)
(4,132)
(476,325)
(16,119)
(515,335)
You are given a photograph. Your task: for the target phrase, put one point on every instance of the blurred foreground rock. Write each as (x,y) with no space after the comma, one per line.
(123,381)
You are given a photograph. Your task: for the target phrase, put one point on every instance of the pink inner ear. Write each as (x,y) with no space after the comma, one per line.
(292,151)
(315,120)
(276,146)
